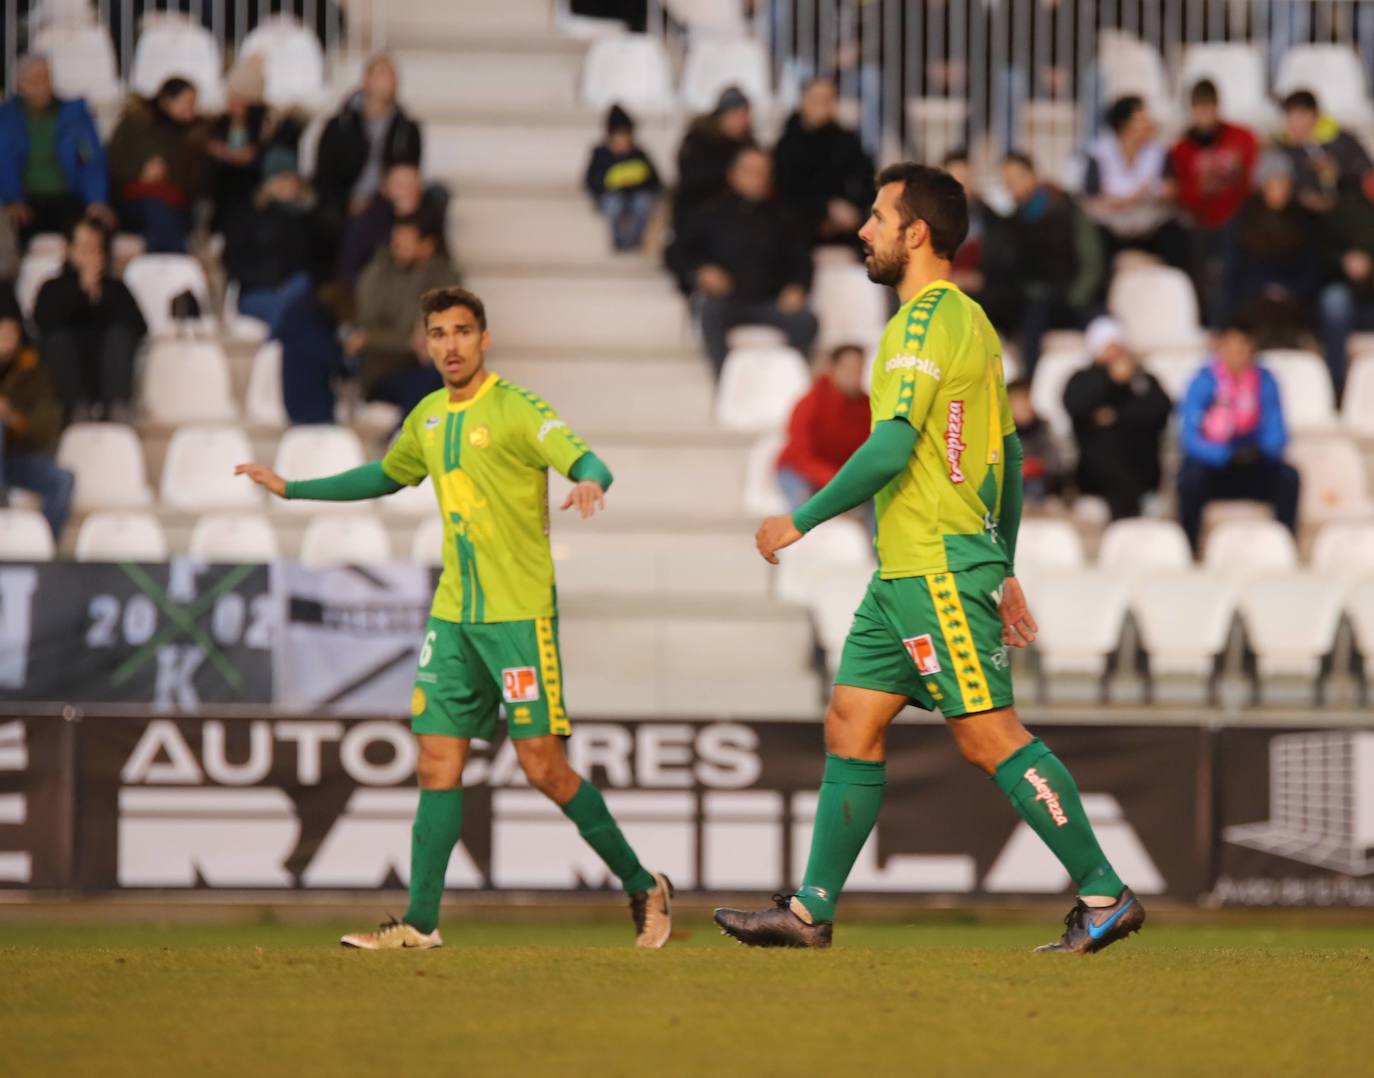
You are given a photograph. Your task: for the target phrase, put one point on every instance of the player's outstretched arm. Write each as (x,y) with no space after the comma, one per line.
(591,479)
(357,484)
(874,464)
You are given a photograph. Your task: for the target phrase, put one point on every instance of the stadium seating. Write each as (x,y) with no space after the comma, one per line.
(1048,545)
(293,62)
(83,61)
(199,471)
(310,452)
(715,62)
(263,402)
(107,459)
(1357,406)
(173,45)
(24,536)
(1335,74)
(1237,69)
(1309,403)
(762,495)
(1250,548)
(1157,309)
(416,501)
(187,382)
(115,535)
(1052,374)
(718,564)
(1360,607)
(1080,615)
(718,17)
(631,70)
(1131,66)
(427,548)
(1291,623)
(1184,619)
(234,538)
(833,602)
(155,280)
(1176,369)
(1335,485)
(759,388)
(847,306)
(839,544)
(1141,546)
(344,539)
(1345,549)
(37,267)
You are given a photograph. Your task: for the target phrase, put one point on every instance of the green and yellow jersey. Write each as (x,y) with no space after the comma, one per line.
(488,458)
(939,366)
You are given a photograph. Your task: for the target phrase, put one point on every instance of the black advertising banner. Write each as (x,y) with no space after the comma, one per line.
(327,803)
(1295,817)
(35,802)
(175,635)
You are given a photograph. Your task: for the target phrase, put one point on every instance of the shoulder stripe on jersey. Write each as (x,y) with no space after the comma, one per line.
(917,325)
(542,407)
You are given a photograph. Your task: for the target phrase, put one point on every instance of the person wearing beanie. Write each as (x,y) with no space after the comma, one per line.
(1119,412)
(623,182)
(707,151)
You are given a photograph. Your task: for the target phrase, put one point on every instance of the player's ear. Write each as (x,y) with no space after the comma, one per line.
(486,340)
(917,234)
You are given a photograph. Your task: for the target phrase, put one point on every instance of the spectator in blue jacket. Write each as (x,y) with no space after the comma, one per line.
(1233,436)
(52,166)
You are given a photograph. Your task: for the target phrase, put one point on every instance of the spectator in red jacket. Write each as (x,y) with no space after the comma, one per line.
(827,425)
(1212,164)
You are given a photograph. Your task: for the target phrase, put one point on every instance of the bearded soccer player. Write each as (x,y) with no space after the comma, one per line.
(944,463)
(492,636)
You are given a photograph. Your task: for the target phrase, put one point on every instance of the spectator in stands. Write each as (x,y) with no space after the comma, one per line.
(1270,263)
(159,161)
(89,329)
(1212,163)
(369,135)
(711,144)
(747,261)
(1049,273)
(827,425)
(389,339)
(52,165)
(622,182)
(1119,411)
(237,141)
(403,194)
(1042,466)
(30,424)
(824,177)
(9,251)
(1346,302)
(1324,157)
(1128,188)
(1233,435)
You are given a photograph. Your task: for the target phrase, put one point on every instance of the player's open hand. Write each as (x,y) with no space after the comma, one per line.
(774,534)
(1018,627)
(587,496)
(263,477)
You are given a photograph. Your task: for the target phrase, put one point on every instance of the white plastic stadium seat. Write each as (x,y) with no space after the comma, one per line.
(837,545)
(416,501)
(721,17)
(759,388)
(1335,484)
(174,45)
(199,470)
(1176,369)
(1157,308)
(833,601)
(1304,389)
(632,70)
(37,268)
(762,495)
(847,306)
(1140,546)
(1345,549)
(352,539)
(1051,377)
(1360,606)
(107,459)
(1184,620)
(121,536)
(24,536)
(1131,66)
(427,548)
(234,539)
(1250,548)
(1048,545)
(1334,74)
(314,451)
(1237,70)
(83,62)
(263,402)
(714,62)
(156,279)
(1357,406)
(1291,622)
(1079,615)
(187,382)
(293,61)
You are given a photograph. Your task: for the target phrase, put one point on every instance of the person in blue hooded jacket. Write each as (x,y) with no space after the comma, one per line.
(52,166)
(1233,435)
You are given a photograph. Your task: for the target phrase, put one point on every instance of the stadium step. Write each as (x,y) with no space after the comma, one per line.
(419,22)
(720,563)
(554,229)
(508,72)
(630,396)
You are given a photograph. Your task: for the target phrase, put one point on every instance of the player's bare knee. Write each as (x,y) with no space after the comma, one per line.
(438,771)
(847,734)
(547,769)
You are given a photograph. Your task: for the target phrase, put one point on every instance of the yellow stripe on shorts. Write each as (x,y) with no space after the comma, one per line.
(551,676)
(949,608)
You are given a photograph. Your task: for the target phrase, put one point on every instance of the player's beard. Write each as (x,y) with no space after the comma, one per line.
(887,271)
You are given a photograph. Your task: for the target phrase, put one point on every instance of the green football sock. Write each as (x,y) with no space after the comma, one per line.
(851,794)
(1046,796)
(438,823)
(594,821)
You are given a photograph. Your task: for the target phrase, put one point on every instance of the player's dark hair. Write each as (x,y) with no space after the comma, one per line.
(1300,99)
(438,300)
(1122,110)
(934,196)
(1020,157)
(1204,92)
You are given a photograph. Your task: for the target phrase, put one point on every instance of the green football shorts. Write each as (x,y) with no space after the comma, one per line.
(935,639)
(468,671)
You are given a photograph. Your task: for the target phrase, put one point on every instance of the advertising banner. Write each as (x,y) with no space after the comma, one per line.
(35,802)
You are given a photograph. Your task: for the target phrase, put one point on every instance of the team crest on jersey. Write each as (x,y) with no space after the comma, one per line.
(480,437)
(922,652)
(431,422)
(519,685)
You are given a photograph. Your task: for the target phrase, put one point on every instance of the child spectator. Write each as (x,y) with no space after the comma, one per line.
(622,181)
(1042,469)
(827,425)
(1324,157)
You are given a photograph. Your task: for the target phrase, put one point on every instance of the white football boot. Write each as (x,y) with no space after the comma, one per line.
(394,935)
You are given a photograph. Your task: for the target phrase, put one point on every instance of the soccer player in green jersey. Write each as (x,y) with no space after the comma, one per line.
(492,636)
(944,463)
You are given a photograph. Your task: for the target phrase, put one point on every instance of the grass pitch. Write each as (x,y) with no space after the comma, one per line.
(570,998)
